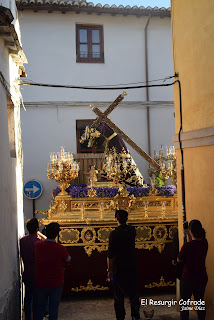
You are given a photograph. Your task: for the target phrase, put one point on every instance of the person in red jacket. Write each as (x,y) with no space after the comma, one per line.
(194,276)
(50,259)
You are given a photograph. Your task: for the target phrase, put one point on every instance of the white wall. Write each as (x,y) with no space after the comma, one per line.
(160,57)
(50,120)
(11,213)
(11,196)
(49,42)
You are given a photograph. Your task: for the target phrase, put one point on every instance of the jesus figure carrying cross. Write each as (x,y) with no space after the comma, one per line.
(114,141)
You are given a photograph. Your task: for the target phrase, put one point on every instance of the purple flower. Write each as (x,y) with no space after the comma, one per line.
(167,190)
(106,192)
(81,191)
(56,191)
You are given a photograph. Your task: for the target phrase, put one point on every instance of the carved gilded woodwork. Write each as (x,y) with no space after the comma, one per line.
(143,233)
(92,205)
(43,212)
(87,222)
(155,203)
(150,246)
(94,238)
(103,234)
(76,205)
(63,206)
(153,192)
(88,235)
(172,231)
(92,193)
(162,283)
(99,248)
(146,208)
(68,236)
(160,233)
(90,287)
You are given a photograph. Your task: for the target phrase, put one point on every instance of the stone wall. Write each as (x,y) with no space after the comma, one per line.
(10,302)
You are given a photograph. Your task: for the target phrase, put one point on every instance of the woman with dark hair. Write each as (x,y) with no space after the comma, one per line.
(194,276)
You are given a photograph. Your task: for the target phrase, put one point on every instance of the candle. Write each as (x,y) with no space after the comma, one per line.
(167,151)
(162,165)
(173,150)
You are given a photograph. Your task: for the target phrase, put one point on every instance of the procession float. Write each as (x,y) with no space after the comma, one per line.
(86,210)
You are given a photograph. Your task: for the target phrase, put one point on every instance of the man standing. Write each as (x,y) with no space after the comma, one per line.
(121,263)
(50,258)
(27,244)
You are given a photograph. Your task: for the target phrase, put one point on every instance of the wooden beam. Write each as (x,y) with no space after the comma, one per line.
(114,104)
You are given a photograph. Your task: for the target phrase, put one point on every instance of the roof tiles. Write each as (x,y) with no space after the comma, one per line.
(82,5)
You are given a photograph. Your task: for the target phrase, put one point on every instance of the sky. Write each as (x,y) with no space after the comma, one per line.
(145,3)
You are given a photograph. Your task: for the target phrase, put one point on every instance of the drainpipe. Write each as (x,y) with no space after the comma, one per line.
(147,89)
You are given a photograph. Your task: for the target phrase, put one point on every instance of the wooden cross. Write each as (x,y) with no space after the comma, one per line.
(103,117)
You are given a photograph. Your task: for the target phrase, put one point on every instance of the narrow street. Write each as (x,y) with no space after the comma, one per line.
(103,308)
(107,151)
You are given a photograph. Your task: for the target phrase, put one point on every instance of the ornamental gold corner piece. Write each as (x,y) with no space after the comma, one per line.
(89,249)
(149,246)
(90,287)
(162,283)
(43,212)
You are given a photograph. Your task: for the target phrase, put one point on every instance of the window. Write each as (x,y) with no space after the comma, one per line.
(98,146)
(89,43)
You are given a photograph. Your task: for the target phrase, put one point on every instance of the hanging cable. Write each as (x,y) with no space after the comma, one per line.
(126,87)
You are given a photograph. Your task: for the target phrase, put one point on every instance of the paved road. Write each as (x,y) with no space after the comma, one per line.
(103,309)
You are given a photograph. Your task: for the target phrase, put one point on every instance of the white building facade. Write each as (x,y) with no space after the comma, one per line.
(12,59)
(79,44)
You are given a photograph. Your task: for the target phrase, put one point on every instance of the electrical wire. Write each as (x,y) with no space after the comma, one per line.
(106,87)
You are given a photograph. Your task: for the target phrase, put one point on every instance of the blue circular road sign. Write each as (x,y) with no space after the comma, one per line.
(32,189)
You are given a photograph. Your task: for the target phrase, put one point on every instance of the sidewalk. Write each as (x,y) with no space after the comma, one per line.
(103,309)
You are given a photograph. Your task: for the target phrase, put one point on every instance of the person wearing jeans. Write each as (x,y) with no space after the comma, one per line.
(53,295)
(50,258)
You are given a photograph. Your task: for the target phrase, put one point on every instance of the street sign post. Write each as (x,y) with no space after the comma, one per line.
(32,190)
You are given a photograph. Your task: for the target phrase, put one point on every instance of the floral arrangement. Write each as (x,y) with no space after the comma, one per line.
(81,191)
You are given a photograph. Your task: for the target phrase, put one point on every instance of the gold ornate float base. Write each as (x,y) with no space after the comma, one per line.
(86,224)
